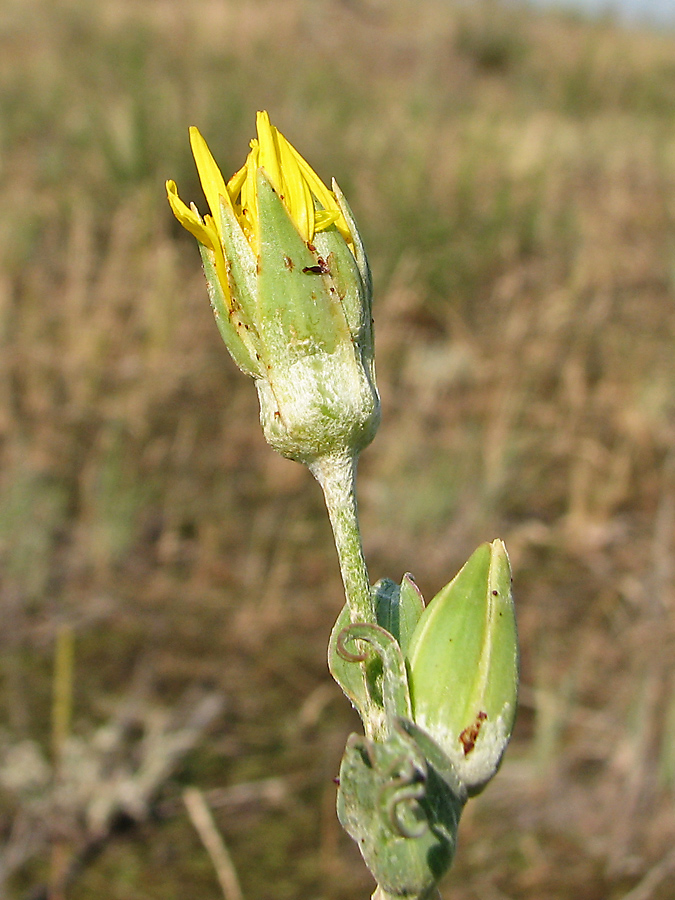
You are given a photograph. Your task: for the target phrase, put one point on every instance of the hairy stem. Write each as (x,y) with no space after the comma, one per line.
(337,476)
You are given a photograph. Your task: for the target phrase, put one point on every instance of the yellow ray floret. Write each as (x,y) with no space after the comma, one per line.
(310,204)
(213,183)
(204,230)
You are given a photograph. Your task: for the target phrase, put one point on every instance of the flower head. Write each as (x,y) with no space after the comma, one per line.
(290,287)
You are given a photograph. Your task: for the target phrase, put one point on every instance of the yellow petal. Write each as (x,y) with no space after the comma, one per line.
(268,157)
(319,189)
(325,197)
(249,196)
(190,219)
(325,218)
(205,232)
(296,194)
(235,183)
(213,183)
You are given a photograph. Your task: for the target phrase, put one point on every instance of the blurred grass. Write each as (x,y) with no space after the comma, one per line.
(514,176)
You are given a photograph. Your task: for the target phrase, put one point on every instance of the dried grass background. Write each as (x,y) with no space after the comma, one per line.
(514,177)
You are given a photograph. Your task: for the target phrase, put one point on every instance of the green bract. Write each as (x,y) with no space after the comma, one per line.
(317,394)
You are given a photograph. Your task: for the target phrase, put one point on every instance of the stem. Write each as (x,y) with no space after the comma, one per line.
(381,894)
(337,476)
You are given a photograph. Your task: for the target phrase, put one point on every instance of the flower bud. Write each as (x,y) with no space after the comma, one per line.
(291,290)
(463,666)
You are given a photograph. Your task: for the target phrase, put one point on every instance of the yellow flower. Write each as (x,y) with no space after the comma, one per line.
(291,176)
(290,286)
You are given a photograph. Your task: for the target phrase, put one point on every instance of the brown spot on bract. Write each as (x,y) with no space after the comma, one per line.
(469,736)
(288,262)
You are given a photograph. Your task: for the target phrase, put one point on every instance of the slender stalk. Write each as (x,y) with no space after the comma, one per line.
(337,476)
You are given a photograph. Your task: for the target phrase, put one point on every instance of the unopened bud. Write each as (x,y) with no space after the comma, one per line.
(463,666)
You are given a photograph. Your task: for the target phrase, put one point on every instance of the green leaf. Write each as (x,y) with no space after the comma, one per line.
(400,810)
(398,609)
